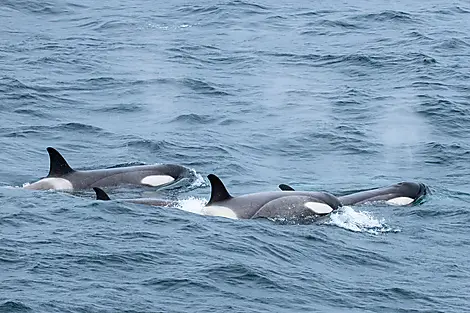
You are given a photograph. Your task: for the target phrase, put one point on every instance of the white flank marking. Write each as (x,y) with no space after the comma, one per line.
(55,183)
(222,211)
(156,180)
(318,208)
(400,201)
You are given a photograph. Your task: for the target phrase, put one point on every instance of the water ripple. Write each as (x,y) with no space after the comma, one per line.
(326,96)
(14,306)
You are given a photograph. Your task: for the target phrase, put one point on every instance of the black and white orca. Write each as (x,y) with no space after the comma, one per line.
(403,193)
(62,177)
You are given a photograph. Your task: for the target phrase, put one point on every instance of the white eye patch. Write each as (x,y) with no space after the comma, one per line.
(318,208)
(400,201)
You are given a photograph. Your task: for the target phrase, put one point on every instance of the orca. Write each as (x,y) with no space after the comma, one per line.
(403,193)
(102,195)
(62,177)
(275,204)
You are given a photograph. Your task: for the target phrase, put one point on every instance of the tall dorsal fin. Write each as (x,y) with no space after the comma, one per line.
(285,187)
(58,166)
(218,190)
(100,194)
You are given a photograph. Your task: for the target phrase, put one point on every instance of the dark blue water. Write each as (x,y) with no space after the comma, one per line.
(322,95)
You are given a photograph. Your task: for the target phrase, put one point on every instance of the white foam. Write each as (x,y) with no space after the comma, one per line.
(193,205)
(157,180)
(358,221)
(198,206)
(318,208)
(400,201)
(55,183)
(199,181)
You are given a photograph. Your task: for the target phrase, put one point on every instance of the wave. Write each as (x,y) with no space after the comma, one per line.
(39,7)
(194,119)
(386,16)
(14,307)
(203,87)
(359,221)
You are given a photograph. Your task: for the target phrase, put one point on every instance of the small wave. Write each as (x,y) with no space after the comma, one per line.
(37,7)
(113,25)
(203,87)
(184,56)
(315,13)
(453,43)
(247,7)
(100,82)
(358,221)
(328,59)
(175,284)
(385,16)
(148,144)
(454,149)
(231,121)
(451,10)
(122,258)
(417,35)
(419,58)
(90,129)
(359,59)
(194,119)
(64,127)
(13,306)
(246,4)
(32,112)
(337,23)
(121,108)
(460,9)
(276,18)
(243,274)
(191,9)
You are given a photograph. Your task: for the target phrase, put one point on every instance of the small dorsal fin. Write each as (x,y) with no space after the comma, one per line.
(100,194)
(218,190)
(285,187)
(58,166)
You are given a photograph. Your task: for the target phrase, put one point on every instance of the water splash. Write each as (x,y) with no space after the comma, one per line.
(198,181)
(193,205)
(359,221)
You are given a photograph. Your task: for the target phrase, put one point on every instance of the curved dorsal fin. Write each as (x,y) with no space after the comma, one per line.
(100,194)
(218,190)
(285,187)
(58,166)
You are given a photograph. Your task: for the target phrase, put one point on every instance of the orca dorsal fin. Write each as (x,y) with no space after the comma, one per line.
(218,190)
(285,187)
(58,166)
(101,194)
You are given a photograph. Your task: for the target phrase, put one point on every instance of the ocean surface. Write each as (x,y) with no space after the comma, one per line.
(323,95)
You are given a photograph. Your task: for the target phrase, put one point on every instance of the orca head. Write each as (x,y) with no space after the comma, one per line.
(415,191)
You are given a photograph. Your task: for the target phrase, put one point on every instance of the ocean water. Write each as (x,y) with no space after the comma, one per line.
(325,96)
